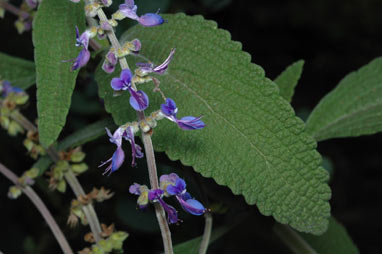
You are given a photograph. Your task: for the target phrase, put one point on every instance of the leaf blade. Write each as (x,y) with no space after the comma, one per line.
(53,39)
(288,79)
(20,72)
(253,143)
(335,240)
(352,108)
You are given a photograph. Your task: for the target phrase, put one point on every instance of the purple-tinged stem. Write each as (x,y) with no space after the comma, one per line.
(149,151)
(36,200)
(13,9)
(88,209)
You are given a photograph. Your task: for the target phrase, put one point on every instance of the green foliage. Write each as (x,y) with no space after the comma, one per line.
(253,142)
(335,240)
(21,73)
(192,246)
(288,79)
(53,39)
(80,137)
(86,134)
(353,108)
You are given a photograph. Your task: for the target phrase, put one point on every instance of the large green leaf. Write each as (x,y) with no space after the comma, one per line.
(288,79)
(19,72)
(53,39)
(353,108)
(335,240)
(253,142)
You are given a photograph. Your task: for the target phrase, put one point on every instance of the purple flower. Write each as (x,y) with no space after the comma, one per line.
(110,62)
(178,188)
(31,3)
(119,156)
(156,196)
(81,60)
(143,192)
(146,68)
(129,10)
(83,39)
(6,88)
(170,110)
(138,99)
(135,149)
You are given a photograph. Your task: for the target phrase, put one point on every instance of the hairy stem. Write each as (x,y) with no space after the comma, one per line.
(207,233)
(36,200)
(13,9)
(89,211)
(149,151)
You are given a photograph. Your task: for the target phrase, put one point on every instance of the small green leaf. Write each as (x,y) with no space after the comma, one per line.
(253,142)
(335,240)
(21,73)
(353,108)
(288,79)
(53,38)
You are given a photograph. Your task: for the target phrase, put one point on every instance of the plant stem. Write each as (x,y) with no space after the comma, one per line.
(88,209)
(13,9)
(41,208)
(149,151)
(293,240)
(207,233)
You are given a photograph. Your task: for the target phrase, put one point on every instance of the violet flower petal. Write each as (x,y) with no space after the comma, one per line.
(169,108)
(126,76)
(150,19)
(135,189)
(177,188)
(117,84)
(160,69)
(190,123)
(139,100)
(192,206)
(81,59)
(116,161)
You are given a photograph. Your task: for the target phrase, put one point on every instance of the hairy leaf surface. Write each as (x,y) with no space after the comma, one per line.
(253,142)
(53,39)
(353,108)
(19,72)
(288,79)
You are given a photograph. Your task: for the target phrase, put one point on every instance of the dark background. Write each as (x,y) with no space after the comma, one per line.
(333,37)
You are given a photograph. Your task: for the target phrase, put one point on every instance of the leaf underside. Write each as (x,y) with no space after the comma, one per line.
(21,73)
(353,108)
(288,79)
(253,143)
(53,39)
